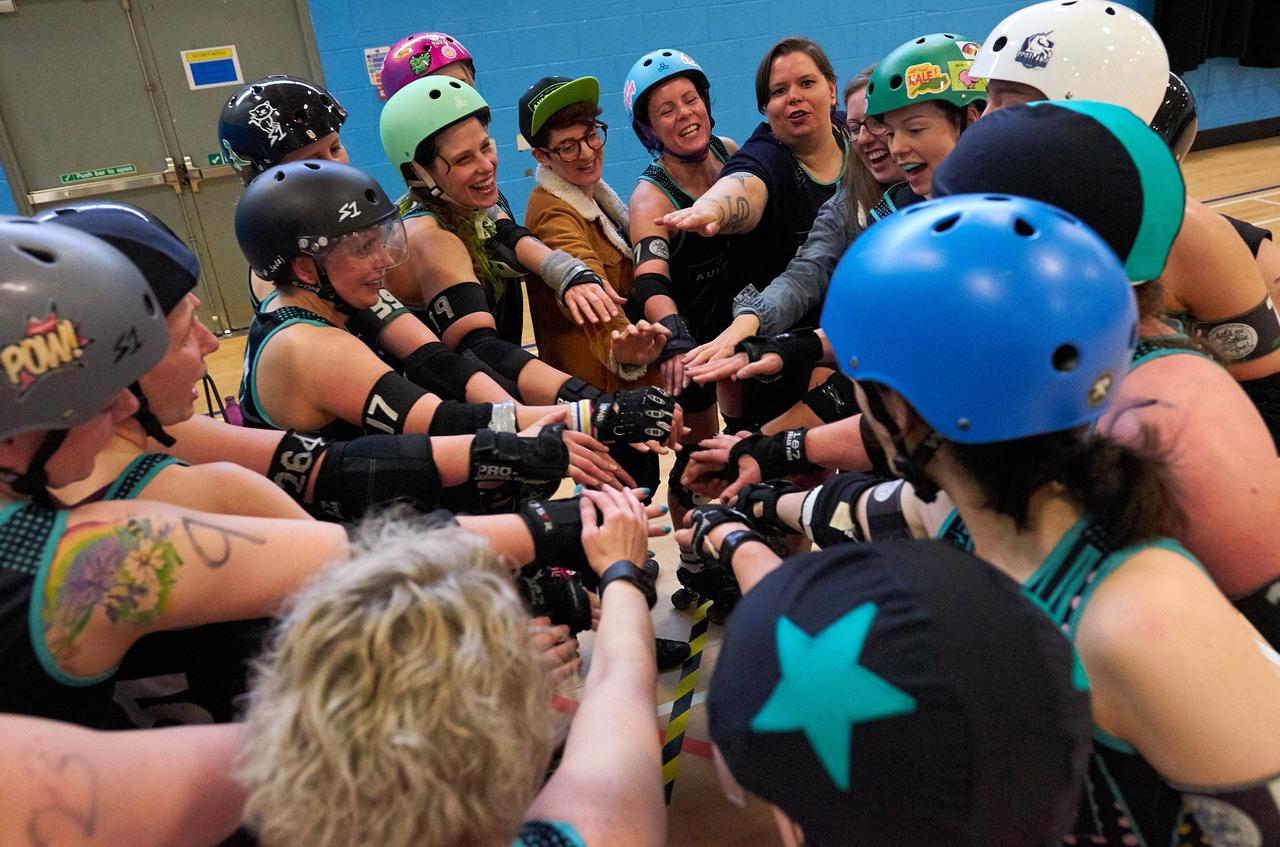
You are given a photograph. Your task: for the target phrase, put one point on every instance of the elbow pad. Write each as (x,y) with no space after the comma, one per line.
(505,358)
(834,400)
(368,324)
(830,513)
(435,367)
(376,470)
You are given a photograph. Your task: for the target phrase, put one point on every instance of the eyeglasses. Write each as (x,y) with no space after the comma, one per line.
(855,126)
(571,151)
(875,126)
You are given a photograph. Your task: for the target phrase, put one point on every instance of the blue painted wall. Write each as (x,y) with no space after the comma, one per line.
(515,44)
(7,204)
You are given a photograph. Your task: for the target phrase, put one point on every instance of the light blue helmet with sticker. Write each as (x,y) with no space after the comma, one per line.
(651,69)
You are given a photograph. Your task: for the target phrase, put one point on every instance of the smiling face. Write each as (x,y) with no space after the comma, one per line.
(800,100)
(583,171)
(873,149)
(677,114)
(170,386)
(466,165)
(920,136)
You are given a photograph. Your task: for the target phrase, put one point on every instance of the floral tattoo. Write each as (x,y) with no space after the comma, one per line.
(127,570)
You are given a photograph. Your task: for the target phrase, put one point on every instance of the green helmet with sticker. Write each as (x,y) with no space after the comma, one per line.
(423,108)
(931,67)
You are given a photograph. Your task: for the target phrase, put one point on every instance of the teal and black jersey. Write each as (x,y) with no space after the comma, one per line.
(264,327)
(699,267)
(135,477)
(897,196)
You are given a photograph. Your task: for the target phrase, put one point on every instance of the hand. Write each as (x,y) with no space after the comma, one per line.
(722,346)
(702,218)
(558,652)
(615,525)
(718,369)
(557,416)
(636,415)
(639,344)
(673,378)
(715,522)
(591,465)
(590,302)
(705,472)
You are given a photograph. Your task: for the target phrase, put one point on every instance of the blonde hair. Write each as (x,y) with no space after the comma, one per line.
(400,702)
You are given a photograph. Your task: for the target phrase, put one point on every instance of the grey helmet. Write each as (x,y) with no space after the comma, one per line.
(78,325)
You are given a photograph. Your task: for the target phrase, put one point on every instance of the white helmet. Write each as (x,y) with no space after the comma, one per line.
(1080,50)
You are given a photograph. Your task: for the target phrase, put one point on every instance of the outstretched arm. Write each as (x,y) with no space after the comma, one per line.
(733,205)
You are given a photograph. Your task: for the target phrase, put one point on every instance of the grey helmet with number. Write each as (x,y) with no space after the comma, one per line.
(78,325)
(308,209)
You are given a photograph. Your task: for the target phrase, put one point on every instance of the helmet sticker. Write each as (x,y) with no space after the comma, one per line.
(232,156)
(49,345)
(402,51)
(1036,50)
(263,116)
(448,52)
(684,57)
(628,93)
(348,210)
(926,78)
(969,49)
(1101,387)
(960,73)
(421,63)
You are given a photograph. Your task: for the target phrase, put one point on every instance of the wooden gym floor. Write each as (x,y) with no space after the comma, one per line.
(1242,180)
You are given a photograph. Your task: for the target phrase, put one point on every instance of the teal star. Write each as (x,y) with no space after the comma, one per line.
(823,691)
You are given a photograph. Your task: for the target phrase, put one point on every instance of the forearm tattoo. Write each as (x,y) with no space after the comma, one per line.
(735,210)
(213,543)
(64,788)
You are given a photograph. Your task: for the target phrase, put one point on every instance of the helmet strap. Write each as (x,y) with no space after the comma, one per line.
(908,464)
(34,481)
(324,289)
(150,423)
(424,180)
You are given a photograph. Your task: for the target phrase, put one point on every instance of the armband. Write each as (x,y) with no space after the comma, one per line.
(830,513)
(777,455)
(561,271)
(435,367)
(506,457)
(1238,814)
(575,389)
(294,462)
(503,417)
(680,341)
(388,404)
(765,495)
(374,470)
(454,418)
(834,400)
(1244,337)
(871,445)
(505,358)
(509,232)
(651,247)
(368,324)
(556,527)
(799,349)
(455,303)
(555,593)
(501,246)
(649,285)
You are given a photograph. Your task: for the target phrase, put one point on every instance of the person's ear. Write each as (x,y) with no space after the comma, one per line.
(304,270)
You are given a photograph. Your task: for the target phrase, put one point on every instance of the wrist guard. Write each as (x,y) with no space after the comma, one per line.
(556,527)
(765,494)
(634,415)
(680,341)
(834,400)
(555,593)
(507,457)
(374,470)
(575,389)
(777,455)
(799,349)
(706,518)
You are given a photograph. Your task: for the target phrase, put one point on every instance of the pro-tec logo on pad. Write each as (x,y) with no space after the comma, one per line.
(1036,50)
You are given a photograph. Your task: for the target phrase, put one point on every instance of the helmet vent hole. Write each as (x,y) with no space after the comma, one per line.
(279,176)
(948,35)
(999,45)
(1066,358)
(1023,228)
(1110,11)
(895,81)
(455,84)
(313,166)
(149,304)
(997,198)
(667,53)
(434,94)
(42,256)
(647,62)
(946,223)
(920,40)
(370,196)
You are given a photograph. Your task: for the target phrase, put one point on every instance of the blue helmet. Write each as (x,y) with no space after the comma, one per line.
(995,317)
(649,70)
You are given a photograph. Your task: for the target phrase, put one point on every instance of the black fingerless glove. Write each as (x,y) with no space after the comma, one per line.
(799,349)
(634,415)
(680,341)
(555,593)
(777,455)
(556,527)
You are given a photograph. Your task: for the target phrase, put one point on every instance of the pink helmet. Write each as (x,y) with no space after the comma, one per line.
(419,55)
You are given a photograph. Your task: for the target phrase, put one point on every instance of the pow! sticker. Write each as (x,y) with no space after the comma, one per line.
(926,78)
(50,345)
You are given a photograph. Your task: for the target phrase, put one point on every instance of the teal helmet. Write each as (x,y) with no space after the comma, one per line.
(651,70)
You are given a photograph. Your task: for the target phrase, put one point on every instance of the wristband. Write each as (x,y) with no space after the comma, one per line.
(503,417)
(729,546)
(627,570)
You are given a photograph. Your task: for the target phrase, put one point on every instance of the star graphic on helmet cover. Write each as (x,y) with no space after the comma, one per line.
(824,691)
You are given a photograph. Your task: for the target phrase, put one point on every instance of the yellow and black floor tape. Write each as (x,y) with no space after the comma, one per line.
(673,742)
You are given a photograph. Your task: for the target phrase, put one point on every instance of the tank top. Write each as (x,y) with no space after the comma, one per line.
(699,267)
(897,196)
(134,478)
(264,326)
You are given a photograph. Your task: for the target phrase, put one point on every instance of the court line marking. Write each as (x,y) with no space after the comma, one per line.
(1242,193)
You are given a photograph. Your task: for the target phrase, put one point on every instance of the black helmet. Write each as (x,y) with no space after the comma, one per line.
(1177,119)
(304,209)
(78,324)
(167,263)
(270,118)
